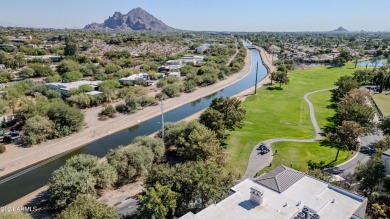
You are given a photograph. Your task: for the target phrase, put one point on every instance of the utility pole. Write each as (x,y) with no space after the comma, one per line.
(162,120)
(257,69)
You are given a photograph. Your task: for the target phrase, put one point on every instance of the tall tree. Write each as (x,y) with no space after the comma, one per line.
(194,182)
(88,207)
(363,76)
(67,183)
(68,66)
(344,85)
(280,77)
(343,57)
(37,129)
(14,214)
(78,174)
(200,145)
(157,202)
(213,120)
(173,131)
(385,126)
(232,111)
(345,136)
(104,173)
(154,144)
(356,96)
(382,78)
(370,174)
(131,162)
(66,119)
(353,111)
(71,46)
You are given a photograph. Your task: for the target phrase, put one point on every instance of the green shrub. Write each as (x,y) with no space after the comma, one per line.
(109,111)
(85,206)
(171,90)
(145,101)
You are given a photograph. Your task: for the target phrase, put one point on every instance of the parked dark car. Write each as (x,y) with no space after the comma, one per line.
(332,170)
(367,150)
(262,149)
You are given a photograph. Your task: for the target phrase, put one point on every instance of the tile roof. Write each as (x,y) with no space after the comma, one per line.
(280,179)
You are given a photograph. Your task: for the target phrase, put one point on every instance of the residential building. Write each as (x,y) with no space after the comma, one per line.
(202,48)
(31,46)
(134,77)
(66,87)
(94,93)
(144,76)
(176,74)
(192,59)
(53,58)
(179,63)
(173,64)
(285,193)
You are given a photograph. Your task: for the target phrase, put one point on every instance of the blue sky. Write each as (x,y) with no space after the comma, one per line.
(217,15)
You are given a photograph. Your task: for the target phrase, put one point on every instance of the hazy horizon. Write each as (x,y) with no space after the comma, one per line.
(202,15)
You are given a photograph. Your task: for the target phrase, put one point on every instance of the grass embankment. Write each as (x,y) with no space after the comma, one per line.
(383,102)
(285,114)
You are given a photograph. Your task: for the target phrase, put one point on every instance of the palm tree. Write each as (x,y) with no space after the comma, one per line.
(382,78)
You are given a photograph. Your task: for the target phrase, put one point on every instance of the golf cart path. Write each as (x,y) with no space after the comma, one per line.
(257,162)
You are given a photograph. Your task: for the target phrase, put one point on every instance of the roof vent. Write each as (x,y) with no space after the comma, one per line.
(333,201)
(256,195)
(301,215)
(305,212)
(315,216)
(299,203)
(285,204)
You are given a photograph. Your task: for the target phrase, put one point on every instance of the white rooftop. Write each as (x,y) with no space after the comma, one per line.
(94,92)
(70,85)
(135,77)
(327,201)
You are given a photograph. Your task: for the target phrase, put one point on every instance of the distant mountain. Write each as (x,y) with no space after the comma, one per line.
(340,29)
(135,20)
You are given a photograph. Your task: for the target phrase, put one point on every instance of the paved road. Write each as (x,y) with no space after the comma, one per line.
(350,165)
(257,162)
(127,207)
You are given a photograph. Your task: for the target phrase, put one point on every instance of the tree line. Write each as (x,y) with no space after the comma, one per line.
(182,172)
(353,118)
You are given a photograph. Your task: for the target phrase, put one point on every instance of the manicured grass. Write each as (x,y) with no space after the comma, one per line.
(321,102)
(283,113)
(383,102)
(298,154)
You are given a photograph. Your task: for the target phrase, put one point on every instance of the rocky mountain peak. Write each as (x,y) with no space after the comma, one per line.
(135,19)
(117,14)
(340,29)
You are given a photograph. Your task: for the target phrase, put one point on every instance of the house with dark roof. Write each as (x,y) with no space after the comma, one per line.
(280,179)
(285,193)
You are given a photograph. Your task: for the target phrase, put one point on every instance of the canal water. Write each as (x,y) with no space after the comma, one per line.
(30,179)
(381,62)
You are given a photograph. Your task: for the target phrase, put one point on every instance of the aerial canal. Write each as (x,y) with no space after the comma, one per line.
(370,63)
(28,180)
